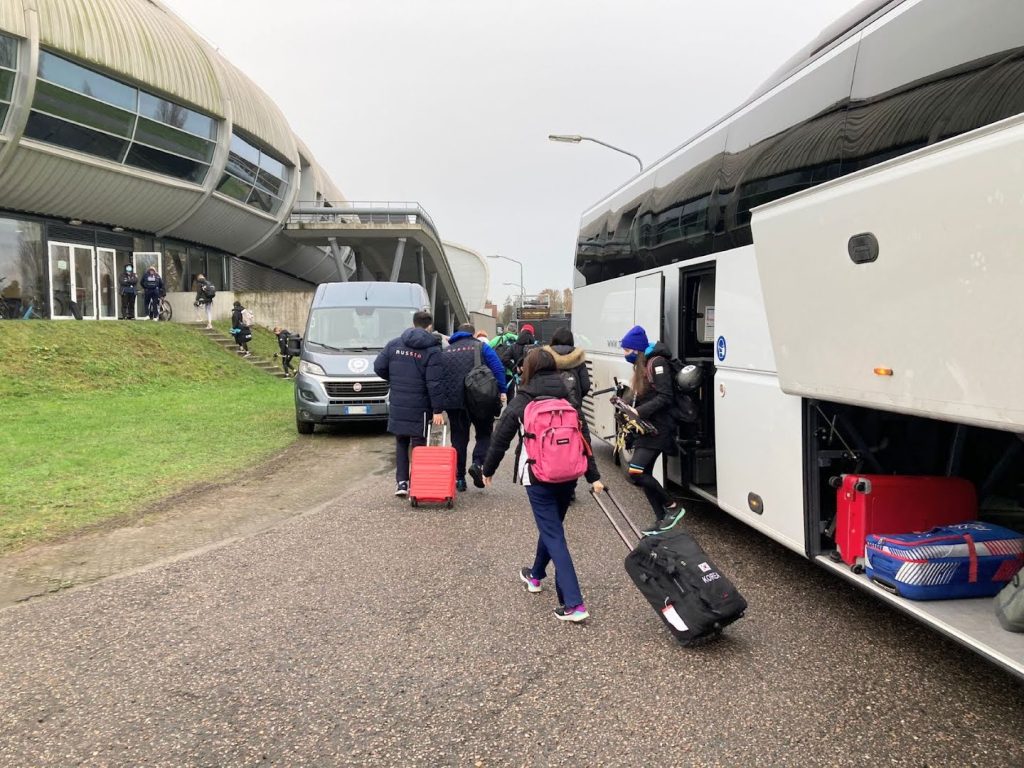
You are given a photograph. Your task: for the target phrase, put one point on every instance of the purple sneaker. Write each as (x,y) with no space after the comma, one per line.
(532,584)
(565,613)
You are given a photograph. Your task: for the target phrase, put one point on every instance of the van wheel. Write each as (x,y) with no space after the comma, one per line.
(304,427)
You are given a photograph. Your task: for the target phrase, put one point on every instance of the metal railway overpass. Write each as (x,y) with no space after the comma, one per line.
(383,241)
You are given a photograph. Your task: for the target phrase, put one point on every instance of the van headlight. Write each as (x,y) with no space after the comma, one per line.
(311,368)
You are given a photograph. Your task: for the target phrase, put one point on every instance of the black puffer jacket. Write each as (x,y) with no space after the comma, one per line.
(412,364)
(128,283)
(657,403)
(521,348)
(572,360)
(545,384)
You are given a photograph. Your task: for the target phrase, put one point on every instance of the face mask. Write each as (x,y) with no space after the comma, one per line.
(631,357)
(128,270)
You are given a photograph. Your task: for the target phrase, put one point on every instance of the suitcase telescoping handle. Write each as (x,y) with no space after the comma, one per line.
(637,535)
(428,432)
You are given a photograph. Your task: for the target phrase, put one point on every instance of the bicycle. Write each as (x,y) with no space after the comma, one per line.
(166,312)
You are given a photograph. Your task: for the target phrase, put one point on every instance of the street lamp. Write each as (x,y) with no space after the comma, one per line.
(522,292)
(576,139)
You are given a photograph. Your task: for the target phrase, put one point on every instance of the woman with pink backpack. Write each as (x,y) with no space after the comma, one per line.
(553,453)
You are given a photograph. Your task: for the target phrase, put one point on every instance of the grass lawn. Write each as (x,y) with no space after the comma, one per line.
(101,418)
(263,343)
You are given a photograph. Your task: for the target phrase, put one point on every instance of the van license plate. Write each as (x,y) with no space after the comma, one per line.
(356,410)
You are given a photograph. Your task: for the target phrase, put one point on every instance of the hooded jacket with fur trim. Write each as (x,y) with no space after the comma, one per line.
(573,360)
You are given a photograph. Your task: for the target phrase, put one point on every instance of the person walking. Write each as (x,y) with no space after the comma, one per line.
(153,290)
(282,346)
(412,365)
(204,299)
(128,283)
(549,501)
(457,360)
(240,328)
(654,401)
(571,362)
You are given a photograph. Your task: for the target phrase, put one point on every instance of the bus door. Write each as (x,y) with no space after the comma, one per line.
(696,342)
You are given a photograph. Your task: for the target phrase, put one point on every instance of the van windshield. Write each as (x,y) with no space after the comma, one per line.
(357,329)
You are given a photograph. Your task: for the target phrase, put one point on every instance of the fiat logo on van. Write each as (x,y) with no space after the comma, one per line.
(357,387)
(358,364)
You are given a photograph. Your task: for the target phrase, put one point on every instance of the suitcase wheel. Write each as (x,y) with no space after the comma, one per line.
(857,568)
(414,502)
(449,504)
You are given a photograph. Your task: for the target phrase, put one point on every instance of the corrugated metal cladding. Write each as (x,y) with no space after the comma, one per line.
(246,276)
(254,112)
(12,17)
(71,187)
(136,39)
(225,226)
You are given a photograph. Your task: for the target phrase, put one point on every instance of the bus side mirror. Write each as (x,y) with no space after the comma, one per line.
(294,345)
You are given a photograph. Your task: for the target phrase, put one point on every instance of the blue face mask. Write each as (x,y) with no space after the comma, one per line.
(631,357)
(128,270)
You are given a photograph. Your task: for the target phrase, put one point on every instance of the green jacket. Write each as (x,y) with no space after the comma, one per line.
(509,337)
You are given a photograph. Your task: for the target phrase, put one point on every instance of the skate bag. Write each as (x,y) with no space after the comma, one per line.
(481,390)
(972,559)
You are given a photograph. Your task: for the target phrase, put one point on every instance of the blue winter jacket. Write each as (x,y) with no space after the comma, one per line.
(412,364)
(458,360)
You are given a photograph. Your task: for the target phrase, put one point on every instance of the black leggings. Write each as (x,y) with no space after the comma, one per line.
(641,473)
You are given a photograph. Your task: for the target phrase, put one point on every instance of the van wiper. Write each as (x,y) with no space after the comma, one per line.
(325,346)
(361,349)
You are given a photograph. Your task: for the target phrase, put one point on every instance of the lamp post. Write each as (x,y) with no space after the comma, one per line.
(522,292)
(576,139)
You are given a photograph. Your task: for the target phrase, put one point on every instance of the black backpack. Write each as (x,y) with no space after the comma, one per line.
(209,291)
(572,387)
(481,390)
(506,354)
(683,408)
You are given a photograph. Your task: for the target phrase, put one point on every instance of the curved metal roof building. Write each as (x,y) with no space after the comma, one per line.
(123,132)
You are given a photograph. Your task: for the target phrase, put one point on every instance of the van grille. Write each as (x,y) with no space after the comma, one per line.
(368,389)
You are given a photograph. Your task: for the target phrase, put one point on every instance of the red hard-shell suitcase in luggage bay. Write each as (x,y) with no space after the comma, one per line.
(432,473)
(884,504)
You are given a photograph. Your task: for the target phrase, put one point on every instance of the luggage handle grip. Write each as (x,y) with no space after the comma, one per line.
(885,585)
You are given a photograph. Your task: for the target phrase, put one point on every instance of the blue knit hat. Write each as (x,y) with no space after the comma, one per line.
(636,338)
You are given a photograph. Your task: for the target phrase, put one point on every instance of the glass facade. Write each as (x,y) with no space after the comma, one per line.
(22,267)
(8,70)
(254,177)
(88,112)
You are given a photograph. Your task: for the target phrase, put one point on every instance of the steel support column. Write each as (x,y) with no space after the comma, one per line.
(433,292)
(336,252)
(448,315)
(399,255)
(422,265)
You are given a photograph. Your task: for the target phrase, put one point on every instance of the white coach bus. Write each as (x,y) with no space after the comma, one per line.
(844,255)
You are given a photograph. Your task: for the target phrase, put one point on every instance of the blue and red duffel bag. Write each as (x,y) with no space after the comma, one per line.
(952,561)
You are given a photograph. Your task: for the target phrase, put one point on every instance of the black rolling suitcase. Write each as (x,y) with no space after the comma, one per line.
(678,579)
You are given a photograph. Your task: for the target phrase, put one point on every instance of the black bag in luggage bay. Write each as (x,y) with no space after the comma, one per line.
(691,595)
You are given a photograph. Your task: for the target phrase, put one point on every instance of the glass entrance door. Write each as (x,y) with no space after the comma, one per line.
(106,279)
(72,279)
(143,260)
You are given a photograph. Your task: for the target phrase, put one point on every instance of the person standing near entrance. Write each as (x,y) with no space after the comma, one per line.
(412,365)
(205,291)
(127,284)
(457,360)
(654,400)
(153,291)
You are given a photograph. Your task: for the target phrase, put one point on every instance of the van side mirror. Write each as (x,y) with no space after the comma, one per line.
(294,345)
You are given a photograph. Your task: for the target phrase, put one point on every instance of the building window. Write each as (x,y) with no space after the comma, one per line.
(254,177)
(8,71)
(88,112)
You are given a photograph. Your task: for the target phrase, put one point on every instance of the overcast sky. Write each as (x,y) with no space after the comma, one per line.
(449,102)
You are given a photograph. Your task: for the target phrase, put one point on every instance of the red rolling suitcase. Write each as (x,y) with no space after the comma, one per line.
(887,504)
(432,473)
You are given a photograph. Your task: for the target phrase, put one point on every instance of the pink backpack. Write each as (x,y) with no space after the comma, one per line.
(554,441)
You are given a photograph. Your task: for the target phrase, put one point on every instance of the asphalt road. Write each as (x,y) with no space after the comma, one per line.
(370,633)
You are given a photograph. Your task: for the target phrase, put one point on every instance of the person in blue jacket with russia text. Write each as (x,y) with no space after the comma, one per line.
(412,365)
(458,359)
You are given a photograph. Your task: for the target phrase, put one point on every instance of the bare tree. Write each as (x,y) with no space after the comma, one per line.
(567,300)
